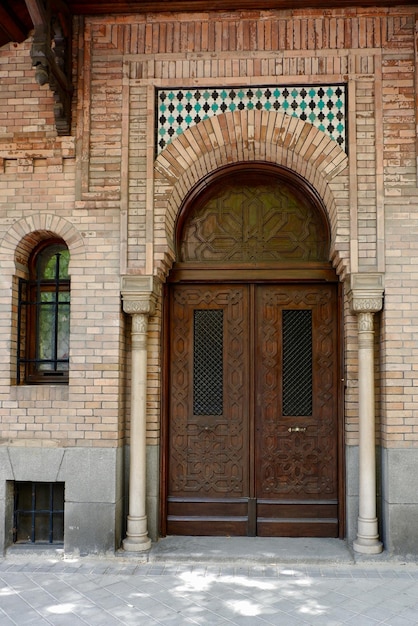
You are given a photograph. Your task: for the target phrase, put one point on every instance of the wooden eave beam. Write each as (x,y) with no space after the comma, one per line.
(37,12)
(52,62)
(11,26)
(95,7)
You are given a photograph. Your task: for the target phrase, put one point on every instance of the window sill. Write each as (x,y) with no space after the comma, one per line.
(55,550)
(43,391)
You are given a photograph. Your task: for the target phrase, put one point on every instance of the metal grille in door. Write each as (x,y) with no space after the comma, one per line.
(208,362)
(297,362)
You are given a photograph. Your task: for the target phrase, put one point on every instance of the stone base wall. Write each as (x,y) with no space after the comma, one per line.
(93,478)
(400,502)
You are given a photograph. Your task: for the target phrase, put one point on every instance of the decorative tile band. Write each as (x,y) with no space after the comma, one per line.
(323,106)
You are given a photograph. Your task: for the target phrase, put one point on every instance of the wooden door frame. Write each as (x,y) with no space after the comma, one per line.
(279,273)
(165,412)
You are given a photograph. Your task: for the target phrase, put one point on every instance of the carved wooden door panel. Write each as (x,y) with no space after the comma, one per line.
(208,477)
(253,410)
(296,411)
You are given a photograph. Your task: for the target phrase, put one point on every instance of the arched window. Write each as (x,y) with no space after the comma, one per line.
(44,316)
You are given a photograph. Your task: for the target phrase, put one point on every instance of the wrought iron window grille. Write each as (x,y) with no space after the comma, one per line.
(38,512)
(32,367)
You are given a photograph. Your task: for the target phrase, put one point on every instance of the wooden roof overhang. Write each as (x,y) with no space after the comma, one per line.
(51,22)
(16,15)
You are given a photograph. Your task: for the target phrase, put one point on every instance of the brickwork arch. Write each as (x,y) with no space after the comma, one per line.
(23,236)
(256,136)
(15,249)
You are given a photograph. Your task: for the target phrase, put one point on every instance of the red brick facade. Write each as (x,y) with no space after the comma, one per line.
(115,205)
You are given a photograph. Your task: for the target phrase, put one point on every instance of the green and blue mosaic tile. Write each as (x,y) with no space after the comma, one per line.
(323,106)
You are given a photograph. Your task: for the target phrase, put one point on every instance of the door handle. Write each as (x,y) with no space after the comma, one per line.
(296,429)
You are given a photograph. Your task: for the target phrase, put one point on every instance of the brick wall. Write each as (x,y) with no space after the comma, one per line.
(120,204)
(38,182)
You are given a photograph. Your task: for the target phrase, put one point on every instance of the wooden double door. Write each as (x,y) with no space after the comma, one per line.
(253,410)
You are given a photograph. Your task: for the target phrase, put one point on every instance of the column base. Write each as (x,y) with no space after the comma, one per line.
(137,539)
(367,541)
(133,545)
(375,547)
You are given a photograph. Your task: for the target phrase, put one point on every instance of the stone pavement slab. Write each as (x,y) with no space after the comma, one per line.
(209,582)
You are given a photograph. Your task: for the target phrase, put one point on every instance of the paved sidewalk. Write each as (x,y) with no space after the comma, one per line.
(210,582)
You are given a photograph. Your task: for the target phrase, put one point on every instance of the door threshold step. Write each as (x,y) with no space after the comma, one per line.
(263,550)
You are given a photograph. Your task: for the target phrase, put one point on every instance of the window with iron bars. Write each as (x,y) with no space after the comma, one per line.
(38,512)
(44,316)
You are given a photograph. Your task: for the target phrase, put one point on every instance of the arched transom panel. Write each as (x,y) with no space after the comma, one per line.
(253,215)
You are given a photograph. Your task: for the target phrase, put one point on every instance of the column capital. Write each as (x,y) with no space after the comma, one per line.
(366,293)
(140,294)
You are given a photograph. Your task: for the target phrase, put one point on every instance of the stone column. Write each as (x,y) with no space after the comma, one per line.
(366,299)
(138,297)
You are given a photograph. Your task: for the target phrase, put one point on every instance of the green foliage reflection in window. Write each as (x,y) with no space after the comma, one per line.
(53,262)
(53,324)
(44,327)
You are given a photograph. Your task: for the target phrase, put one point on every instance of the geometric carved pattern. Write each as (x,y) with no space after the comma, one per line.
(208,452)
(323,106)
(244,221)
(253,442)
(297,455)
